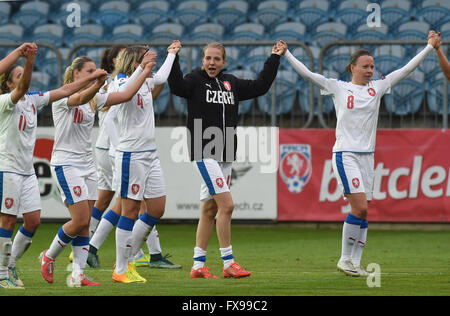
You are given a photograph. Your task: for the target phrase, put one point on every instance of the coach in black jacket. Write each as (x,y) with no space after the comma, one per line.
(213,99)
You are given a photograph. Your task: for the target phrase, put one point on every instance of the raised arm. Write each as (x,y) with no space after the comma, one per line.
(25,79)
(72,88)
(12,57)
(163,73)
(133,84)
(178,85)
(87,94)
(249,89)
(399,74)
(302,70)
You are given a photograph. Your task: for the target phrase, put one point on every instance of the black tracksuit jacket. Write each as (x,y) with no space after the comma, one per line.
(212,106)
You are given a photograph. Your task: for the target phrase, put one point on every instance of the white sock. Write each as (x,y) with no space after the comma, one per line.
(154,247)
(123,243)
(95,219)
(227,256)
(5,252)
(22,242)
(199,258)
(80,249)
(350,234)
(106,225)
(359,246)
(141,230)
(58,244)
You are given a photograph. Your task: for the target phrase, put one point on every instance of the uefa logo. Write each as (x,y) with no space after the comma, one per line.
(295,166)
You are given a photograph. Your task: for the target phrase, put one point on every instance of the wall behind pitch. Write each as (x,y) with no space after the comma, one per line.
(254,193)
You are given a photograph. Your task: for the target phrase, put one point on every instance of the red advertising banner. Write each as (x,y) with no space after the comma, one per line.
(411,183)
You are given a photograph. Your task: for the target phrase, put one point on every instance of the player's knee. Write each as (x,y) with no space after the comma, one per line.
(32,225)
(227,208)
(361,211)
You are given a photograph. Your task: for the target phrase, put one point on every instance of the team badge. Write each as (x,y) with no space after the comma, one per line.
(227,85)
(77,190)
(9,203)
(219,182)
(371,91)
(355,182)
(295,166)
(135,188)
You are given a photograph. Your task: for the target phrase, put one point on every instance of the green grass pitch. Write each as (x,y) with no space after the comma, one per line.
(284,261)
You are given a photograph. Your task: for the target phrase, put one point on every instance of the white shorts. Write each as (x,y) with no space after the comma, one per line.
(139,175)
(76,183)
(216,175)
(19,194)
(354,172)
(104,169)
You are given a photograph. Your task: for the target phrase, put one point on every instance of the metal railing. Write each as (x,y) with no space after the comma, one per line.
(257,117)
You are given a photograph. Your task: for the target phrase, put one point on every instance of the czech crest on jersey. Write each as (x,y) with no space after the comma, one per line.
(295,166)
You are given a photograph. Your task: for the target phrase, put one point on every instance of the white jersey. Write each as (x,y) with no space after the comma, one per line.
(18,124)
(73,130)
(357,106)
(103,137)
(357,110)
(136,117)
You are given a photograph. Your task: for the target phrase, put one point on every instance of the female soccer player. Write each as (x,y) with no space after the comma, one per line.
(105,155)
(19,188)
(357,104)
(213,98)
(73,162)
(138,170)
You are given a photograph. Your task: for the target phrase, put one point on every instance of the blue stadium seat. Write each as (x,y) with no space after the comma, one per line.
(244,106)
(234,59)
(329,32)
(40,81)
(151,13)
(5,10)
(185,54)
(48,33)
(248,32)
(32,14)
(435,12)
(11,33)
(388,58)
(257,56)
(49,64)
(364,32)
(435,95)
(167,32)
(160,104)
(312,13)
(395,12)
(230,13)
(285,86)
(429,66)
(180,104)
(191,13)
(208,32)
(86,33)
(271,12)
(127,33)
(445,31)
(352,13)
(112,14)
(290,31)
(60,16)
(407,95)
(301,55)
(338,58)
(413,31)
